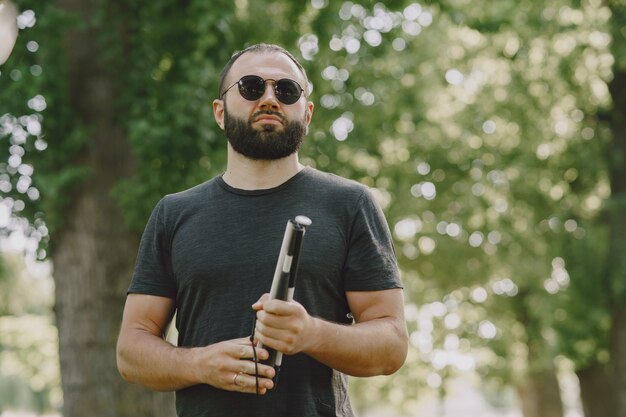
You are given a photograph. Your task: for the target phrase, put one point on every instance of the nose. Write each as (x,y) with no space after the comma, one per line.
(268,100)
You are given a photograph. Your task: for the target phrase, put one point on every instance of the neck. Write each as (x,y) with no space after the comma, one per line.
(249,174)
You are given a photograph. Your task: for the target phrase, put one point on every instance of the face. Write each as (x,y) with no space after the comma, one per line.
(266,128)
(256,139)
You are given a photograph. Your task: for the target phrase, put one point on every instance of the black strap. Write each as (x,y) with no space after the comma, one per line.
(256,363)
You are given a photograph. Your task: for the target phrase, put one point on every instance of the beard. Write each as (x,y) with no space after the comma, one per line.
(267,143)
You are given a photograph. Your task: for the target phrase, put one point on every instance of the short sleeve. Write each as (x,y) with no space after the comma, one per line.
(153,272)
(371,262)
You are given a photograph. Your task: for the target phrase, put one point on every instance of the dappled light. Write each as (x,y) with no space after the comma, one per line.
(490,134)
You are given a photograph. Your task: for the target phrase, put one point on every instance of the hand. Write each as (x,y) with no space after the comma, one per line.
(229,365)
(284,326)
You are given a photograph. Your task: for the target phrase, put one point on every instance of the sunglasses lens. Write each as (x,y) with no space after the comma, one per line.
(251,87)
(288,91)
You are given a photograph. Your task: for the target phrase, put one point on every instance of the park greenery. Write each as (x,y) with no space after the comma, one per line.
(493,134)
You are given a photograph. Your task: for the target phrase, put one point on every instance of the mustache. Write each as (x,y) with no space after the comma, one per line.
(269,113)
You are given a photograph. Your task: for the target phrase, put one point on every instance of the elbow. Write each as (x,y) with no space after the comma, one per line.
(123,372)
(397,357)
(386,361)
(122,364)
(394,364)
(391,353)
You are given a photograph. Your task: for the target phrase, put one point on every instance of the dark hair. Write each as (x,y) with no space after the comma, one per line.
(260,47)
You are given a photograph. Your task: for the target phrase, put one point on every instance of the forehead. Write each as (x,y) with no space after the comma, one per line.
(268,65)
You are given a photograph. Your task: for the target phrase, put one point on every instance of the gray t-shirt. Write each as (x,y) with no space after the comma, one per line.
(214,248)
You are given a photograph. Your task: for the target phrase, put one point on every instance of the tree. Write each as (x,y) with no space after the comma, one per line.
(124,102)
(617,209)
(511,153)
(109,61)
(482,128)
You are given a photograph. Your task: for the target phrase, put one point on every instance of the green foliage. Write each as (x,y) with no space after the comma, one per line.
(482,128)
(485,144)
(34,121)
(583,319)
(617,24)
(168,90)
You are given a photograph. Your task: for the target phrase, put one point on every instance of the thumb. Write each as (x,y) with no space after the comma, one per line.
(258,305)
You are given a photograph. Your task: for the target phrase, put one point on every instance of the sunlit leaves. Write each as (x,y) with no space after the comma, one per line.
(478,126)
(485,125)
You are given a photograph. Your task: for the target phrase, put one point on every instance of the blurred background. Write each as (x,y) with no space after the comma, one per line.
(493,134)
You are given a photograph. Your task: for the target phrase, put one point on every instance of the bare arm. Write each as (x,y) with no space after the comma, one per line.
(146,358)
(375,345)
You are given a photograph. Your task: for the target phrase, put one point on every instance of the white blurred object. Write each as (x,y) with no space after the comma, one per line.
(8,29)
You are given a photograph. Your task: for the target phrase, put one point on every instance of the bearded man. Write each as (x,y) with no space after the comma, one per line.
(209,253)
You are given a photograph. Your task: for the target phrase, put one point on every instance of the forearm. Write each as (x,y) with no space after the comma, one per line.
(151,361)
(375,347)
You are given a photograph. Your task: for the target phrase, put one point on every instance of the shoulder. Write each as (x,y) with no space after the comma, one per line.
(197,195)
(333,183)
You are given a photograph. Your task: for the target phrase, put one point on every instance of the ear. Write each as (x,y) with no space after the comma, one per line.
(218,112)
(309,112)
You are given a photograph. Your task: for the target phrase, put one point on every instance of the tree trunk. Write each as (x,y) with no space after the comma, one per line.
(540,395)
(93,260)
(93,251)
(617,211)
(596,391)
(618,358)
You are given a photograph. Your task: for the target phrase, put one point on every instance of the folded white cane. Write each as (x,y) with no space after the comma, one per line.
(285,275)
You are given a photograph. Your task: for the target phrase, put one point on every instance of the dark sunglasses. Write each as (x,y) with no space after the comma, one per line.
(252,87)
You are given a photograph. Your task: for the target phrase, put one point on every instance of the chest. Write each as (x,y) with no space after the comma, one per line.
(224,255)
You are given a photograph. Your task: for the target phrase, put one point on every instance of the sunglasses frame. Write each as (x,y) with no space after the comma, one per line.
(265,80)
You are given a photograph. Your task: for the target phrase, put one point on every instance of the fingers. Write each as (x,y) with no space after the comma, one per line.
(244,377)
(243,382)
(243,349)
(284,341)
(281,315)
(284,326)
(282,335)
(248,367)
(258,305)
(243,352)
(230,365)
(281,308)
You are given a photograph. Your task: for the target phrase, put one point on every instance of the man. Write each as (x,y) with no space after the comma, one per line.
(209,254)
